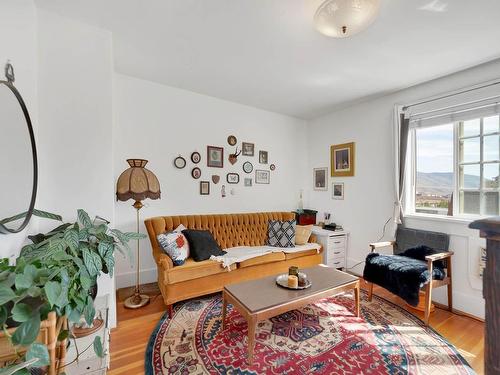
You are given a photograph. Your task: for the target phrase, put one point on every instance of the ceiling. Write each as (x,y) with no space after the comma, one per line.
(266,53)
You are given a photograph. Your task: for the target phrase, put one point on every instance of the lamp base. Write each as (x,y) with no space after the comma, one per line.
(136,301)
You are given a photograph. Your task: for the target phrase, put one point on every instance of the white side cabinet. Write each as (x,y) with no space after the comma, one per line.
(335,245)
(88,362)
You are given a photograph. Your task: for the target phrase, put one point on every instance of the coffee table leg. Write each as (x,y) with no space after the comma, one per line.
(252,323)
(356,299)
(224,309)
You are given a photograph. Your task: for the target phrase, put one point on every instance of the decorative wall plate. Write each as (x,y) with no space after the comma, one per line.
(196,173)
(195,157)
(233,178)
(215,179)
(247,167)
(231,140)
(179,162)
(272,167)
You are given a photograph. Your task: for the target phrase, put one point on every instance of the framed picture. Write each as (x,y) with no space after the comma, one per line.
(196,173)
(215,157)
(342,160)
(248,149)
(233,178)
(320,178)
(337,190)
(248,182)
(204,187)
(262,177)
(195,157)
(231,140)
(247,167)
(263,157)
(179,162)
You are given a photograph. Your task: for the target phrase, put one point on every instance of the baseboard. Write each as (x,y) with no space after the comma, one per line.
(127,279)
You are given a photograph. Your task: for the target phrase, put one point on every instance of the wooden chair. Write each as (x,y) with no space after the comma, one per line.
(407,238)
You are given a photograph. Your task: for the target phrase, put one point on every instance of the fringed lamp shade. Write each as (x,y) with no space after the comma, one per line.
(137,182)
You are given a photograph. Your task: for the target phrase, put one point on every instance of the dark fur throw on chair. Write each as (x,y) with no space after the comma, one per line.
(403,274)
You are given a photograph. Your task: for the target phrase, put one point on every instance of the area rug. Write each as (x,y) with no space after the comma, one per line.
(321,338)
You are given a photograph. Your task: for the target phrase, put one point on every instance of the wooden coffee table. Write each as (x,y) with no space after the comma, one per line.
(262,299)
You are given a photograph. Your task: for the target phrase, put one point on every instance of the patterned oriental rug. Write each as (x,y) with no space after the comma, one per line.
(321,338)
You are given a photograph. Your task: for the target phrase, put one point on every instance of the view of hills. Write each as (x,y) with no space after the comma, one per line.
(441,183)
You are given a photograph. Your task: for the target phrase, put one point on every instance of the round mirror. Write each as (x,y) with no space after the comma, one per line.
(18,161)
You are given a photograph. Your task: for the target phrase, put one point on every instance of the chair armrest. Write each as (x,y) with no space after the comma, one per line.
(163,260)
(376,245)
(439,256)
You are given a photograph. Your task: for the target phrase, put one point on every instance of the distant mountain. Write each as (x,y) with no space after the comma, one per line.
(441,183)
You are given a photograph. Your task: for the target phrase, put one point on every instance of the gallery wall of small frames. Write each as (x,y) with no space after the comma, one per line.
(248,166)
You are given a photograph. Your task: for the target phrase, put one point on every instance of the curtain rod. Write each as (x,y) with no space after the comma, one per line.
(452,94)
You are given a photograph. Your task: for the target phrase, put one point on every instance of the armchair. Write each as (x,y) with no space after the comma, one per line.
(407,238)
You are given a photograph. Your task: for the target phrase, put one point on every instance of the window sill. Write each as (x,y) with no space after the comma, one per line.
(446,219)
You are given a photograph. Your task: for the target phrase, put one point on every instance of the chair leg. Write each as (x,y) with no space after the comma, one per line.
(370,292)
(428,302)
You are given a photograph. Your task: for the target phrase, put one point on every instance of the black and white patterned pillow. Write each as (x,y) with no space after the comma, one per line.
(281,233)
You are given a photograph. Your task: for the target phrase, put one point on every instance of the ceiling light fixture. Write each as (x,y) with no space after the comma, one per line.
(343,18)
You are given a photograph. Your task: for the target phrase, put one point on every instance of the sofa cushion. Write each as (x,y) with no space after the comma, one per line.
(202,244)
(299,254)
(194,270)
(175,245)
(302,234)
(281,233)
(268,258)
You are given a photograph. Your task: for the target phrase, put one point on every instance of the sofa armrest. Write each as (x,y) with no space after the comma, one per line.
(376,245)
(439,256)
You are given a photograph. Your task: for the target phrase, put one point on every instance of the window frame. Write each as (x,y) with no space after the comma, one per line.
(411,175)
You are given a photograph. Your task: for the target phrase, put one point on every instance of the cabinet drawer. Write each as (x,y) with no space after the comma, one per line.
(336,253)
(336,263)
(336,242)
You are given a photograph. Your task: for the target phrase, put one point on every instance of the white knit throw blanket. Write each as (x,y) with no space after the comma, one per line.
(241,253)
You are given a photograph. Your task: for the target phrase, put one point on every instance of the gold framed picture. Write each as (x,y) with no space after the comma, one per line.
(342,160)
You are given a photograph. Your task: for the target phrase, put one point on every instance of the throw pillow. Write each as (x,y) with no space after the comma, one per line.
(281,233)
(302,234)
(175,245)
(202,244)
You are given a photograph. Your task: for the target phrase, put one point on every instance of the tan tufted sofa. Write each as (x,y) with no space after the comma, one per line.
(194,279)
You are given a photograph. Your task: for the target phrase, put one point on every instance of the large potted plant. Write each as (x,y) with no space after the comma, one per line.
(54,274)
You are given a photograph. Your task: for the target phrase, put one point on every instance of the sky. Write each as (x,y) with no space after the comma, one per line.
(435,147)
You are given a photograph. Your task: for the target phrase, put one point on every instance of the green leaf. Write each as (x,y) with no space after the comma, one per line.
(63,335)
(98,347)
(53,291)
(40,353)
(9,281)
(84,218)
(109,259)
(6,295)
(134,236)
(89,311)
(21,312)
(71,238)
(85,279)
(75,315)
(104,247)
(34,291)
(47,215)
(92,262)
(27,332)
(23,281)
(16,369)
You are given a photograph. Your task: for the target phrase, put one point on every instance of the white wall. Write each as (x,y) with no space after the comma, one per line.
(158,123)
(76,121)
(369,195)
(18,44)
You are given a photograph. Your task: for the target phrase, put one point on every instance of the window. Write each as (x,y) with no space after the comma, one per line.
(456,168)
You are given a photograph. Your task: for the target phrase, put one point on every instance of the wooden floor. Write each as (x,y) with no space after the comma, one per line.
(130,338)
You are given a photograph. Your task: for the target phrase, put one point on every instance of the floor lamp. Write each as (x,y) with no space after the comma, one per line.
(137,183)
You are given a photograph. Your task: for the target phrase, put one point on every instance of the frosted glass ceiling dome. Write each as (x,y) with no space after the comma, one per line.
(343,18)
